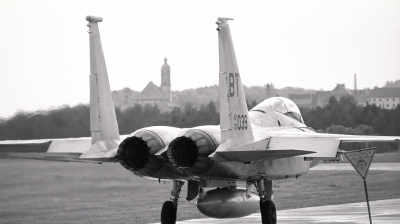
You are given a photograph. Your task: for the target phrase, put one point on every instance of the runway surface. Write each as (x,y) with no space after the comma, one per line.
(382,211)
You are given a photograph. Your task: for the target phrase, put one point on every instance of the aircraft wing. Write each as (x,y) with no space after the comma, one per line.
(278,145)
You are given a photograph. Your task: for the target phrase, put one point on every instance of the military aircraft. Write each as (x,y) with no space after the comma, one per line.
(255,147)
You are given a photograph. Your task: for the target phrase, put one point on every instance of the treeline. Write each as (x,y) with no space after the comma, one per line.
(188,116)
(63,122)
(340,116)
(343,116)
(68,122)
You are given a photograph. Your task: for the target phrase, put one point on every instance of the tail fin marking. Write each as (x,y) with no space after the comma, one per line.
(235,124)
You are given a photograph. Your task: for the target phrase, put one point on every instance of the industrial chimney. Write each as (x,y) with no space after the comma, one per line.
(355,84)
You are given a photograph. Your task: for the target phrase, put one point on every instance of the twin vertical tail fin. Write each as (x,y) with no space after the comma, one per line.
(234,117)
(235,124)
(103,121)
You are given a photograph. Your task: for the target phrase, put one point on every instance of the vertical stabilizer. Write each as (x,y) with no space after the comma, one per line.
(234,118)
(103,122)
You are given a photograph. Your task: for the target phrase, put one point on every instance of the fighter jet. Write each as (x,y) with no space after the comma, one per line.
(269,142)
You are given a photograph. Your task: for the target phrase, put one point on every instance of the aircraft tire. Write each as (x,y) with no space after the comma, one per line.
(268,212)
(168,213)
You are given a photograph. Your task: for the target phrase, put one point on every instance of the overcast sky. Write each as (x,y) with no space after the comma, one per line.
(44,45)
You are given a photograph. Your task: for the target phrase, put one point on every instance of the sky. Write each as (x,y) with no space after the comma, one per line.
(44,45)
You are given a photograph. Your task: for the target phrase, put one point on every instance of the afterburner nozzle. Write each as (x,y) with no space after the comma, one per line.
(95,19)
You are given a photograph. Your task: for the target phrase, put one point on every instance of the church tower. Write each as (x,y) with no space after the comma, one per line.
(166,80)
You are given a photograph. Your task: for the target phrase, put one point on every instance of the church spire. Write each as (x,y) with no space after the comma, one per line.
(166,80)
(165,74)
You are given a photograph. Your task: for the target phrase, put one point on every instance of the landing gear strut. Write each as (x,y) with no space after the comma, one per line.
(267,206)
(168,211)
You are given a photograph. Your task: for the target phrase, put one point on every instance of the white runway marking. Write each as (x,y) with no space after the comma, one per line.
(347,166)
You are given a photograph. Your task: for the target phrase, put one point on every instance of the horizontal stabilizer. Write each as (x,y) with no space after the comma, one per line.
(61,157)
(102,149)
(63,150)
(67,145)
(55,157)
(361,138)
(39,146)
(249,156)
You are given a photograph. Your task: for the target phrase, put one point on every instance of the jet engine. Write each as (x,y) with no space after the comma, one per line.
(190,150)
(228,203)
(137,152)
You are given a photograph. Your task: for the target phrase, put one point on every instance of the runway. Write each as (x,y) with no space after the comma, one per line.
(382,211)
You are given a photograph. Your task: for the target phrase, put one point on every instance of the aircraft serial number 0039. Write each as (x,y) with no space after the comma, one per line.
(240,122)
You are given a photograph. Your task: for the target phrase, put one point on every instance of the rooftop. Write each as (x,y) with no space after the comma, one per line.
(384,93)
(150,92)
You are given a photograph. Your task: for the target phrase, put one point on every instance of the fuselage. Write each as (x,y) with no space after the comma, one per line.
(263,123)
(266,119)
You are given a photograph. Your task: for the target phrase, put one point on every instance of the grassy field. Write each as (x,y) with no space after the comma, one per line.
(56,192)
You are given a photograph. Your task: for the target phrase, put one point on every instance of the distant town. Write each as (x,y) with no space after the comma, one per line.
(342,110)
(387,97)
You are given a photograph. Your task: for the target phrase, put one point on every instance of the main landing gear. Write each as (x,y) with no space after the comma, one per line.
(169,209)
(267,206)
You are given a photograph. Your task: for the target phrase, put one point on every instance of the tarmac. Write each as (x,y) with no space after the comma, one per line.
(382,211)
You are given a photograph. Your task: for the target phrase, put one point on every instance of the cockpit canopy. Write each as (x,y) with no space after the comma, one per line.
(282,105)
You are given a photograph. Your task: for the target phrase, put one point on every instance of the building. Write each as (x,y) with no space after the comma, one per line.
(322,97)
(153,94)
(361,96)
(166,80)
(306,100)
(319,98)
(385,98)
